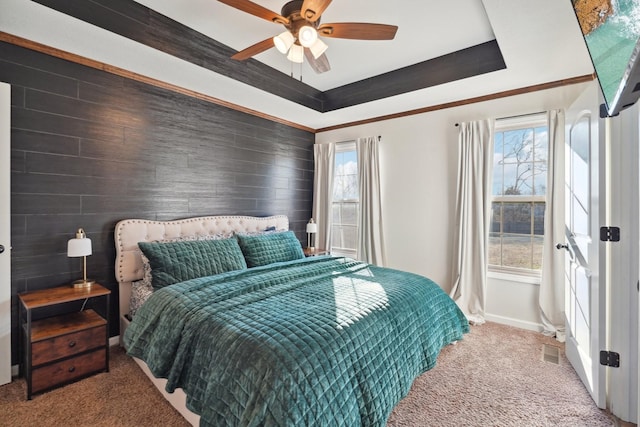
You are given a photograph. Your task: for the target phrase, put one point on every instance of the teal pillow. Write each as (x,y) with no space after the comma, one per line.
(175,262)
(267,248)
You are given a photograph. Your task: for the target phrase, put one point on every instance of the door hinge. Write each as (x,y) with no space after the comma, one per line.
(610,358)
(610,234)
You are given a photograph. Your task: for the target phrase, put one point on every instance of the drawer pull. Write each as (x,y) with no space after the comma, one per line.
(72,343)
(72,368)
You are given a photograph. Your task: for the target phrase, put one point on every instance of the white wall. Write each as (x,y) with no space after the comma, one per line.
(513,302)
(418,167)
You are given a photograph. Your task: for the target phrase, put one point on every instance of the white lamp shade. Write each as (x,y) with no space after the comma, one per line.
(312,227)
(307,36)
(79,247)
(318,48)
(296,54)
(283,41)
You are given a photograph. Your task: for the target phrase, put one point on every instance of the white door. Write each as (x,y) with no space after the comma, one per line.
(5,234)
(585,295)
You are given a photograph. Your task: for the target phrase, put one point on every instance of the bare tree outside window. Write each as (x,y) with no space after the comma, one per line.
(518,205)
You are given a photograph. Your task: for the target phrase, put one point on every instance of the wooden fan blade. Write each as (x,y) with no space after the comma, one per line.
(358,30)
(319,65)
(254,50)
(312,9)
(256,10)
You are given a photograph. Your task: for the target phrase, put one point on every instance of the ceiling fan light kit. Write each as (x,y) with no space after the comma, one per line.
(301,18)
(307,36)
(284,41)
(296,54)
(318,48)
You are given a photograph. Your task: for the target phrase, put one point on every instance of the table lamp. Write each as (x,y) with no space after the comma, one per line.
(80,247)
(312,228)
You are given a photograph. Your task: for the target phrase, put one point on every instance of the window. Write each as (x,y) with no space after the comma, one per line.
(518,194)
(344,231)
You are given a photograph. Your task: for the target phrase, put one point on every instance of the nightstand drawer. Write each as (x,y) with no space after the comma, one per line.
(67,370)
(67,345)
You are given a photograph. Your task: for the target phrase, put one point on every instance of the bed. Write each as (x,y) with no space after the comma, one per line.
(242,329)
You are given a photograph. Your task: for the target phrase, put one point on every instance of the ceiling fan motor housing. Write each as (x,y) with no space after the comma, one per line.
(291,11)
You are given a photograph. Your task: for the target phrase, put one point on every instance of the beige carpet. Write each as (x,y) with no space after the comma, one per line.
(494,377)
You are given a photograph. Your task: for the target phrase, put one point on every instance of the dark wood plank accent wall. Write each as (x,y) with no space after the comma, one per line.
(89,148)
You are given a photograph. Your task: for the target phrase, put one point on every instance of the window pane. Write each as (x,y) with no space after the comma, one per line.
(538,218)
(542,145)
(336,236)
(516,218)
(539,179)
(495,249)
(496,217)
(524,179)
(345,185)
(498,161)
(518,145)
(350,236)
(349,211)
(512,181)
(537,253)
(336,214)
(516,251)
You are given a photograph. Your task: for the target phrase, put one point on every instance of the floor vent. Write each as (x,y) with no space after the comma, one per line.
(551,353)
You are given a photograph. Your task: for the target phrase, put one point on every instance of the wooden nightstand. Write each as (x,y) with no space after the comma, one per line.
(60,349)
(314,252)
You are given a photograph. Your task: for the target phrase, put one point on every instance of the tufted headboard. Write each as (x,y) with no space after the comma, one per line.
(129,232)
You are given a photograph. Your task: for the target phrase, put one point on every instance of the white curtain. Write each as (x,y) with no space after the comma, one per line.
(551,298)
(473,210)
(370,237)
(324,155)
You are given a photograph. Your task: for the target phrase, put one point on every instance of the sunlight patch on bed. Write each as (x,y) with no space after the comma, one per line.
(356,298)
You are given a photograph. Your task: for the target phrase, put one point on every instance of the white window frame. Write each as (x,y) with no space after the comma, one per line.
(503,125)
(342,147)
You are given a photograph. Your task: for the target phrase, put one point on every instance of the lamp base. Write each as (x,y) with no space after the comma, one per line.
(83,283)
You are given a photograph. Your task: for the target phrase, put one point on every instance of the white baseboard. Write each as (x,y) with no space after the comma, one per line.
(522,324)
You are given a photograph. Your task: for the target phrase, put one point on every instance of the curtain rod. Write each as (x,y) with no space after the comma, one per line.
(514,117)
(521,115)
(353,140)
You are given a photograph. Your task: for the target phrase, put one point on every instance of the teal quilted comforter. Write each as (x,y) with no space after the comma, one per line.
(320,341)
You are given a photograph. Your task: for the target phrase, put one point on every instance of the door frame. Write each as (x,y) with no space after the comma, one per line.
(5,233)
(623,201)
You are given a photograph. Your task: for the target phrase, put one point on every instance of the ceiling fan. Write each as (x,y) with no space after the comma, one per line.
(301,19)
